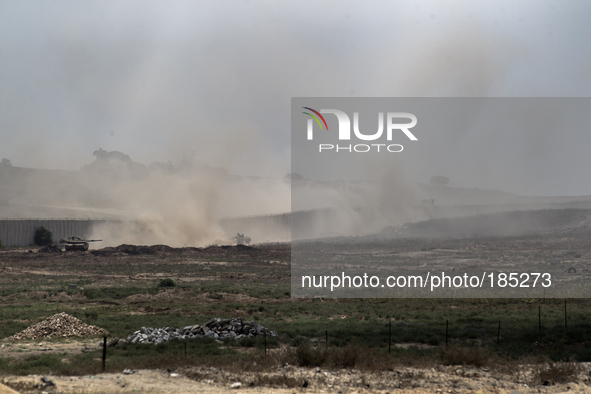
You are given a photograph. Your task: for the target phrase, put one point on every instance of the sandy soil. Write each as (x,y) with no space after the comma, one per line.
(447,380)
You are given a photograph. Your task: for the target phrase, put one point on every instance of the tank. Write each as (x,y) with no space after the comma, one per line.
(76,243)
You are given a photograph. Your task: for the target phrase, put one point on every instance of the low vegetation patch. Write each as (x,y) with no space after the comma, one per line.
(460,355)
(123,292)
(560,372)
(166,283)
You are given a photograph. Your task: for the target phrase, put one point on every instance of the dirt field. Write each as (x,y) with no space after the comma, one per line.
(118,289)
(289,380)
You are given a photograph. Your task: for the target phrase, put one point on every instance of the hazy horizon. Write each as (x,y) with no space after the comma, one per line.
(160,81)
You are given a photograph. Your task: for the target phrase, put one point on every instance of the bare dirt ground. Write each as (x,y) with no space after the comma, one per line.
(288,379)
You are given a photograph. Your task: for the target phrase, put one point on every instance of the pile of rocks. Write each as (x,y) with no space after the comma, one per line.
(218,329)
(60,325)
(51,248)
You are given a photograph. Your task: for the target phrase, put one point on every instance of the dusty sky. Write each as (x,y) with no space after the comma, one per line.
(161,79)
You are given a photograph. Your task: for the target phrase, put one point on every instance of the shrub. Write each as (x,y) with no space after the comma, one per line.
(167,283)
(349,356)
(457,355)
(562,372)
(309,356)
(43,237)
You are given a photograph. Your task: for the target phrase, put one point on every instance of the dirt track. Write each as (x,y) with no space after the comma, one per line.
(146,381)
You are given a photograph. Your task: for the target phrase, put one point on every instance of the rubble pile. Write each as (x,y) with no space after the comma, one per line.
(51,248)
(59,325)
(133,250)
(218,329)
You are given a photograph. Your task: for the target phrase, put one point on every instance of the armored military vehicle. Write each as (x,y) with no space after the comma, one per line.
(75,243)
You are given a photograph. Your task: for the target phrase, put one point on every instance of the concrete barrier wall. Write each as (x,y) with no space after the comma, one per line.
(22,232)
(266,228)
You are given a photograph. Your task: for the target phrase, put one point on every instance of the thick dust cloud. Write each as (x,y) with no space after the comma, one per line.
(180,205)
(207,86)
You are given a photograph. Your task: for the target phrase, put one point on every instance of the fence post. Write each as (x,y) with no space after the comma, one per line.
(540,320)
(446,325)
(185,349)
(499,334)
(104,352)
(326,339)
(265,335)
(390,337)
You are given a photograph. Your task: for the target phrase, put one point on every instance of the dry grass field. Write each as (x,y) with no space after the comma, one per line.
(375,344)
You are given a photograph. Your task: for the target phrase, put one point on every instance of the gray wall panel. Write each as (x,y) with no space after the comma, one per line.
(22,232)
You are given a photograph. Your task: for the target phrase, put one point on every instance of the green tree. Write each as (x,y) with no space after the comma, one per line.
(43,237)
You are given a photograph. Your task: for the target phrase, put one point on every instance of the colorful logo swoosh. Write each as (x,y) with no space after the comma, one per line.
(315,118)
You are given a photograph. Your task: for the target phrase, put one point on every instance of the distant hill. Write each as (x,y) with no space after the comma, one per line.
(449,195)
(547,221)
(113,185)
